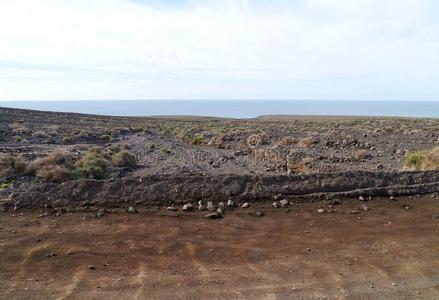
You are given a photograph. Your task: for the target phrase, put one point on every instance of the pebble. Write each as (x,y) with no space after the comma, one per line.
(219,210)
(200,205)
(90,267)
(230,203)
(131,210)
(210,206)
(214,216)
(187,206)
(259,214)
(51,254)
(392,198)
(364,207)
(321,211)
(283,203)
(361,198)
(245,205)
(275,204)
(172,208)
(100,213)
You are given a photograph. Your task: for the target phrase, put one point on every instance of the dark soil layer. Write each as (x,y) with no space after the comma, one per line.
(388,252)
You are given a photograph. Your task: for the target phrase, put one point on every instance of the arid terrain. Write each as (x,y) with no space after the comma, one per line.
(388,252)
(276,207)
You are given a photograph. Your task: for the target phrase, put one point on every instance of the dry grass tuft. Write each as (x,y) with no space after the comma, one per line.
(422,160)
(53,167)
(11,165)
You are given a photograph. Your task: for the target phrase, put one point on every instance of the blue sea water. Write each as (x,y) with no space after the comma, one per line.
(236,108)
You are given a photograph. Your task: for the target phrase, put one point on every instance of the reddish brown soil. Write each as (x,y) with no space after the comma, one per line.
(389,252)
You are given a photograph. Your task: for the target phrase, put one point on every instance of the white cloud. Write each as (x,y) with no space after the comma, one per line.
(213,49)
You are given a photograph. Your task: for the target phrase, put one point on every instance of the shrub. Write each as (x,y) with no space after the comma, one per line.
(39,134)
(5,185)
(53,167)
(93,164)
(11,165)
(18,138)
(113,148)
(422,160)
(199,139)
(105,137)
(124,159)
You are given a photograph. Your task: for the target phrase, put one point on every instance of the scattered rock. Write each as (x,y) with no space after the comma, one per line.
(230,203)
(100,213)
(245,205)
(131,210)
(391,198)
(91,267)
(210,206)
(275,204)
(172,208)
(214,216)
(219,210)
(361,198)
(335,202)
(283,203)
(364,207)
(188,206)
(51,254)
(259,214)
(200,205)
(321,211)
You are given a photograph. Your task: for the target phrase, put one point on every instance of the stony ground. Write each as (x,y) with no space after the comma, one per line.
(390,251)
(193,145)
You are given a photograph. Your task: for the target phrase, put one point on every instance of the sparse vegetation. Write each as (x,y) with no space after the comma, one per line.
(18,138)
(422,160)
(124,159)
(5,185)
(11,165)
(199,139)
(53,167)
(113,148)
(93,164)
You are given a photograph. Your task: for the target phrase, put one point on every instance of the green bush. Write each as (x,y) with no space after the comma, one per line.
(199,139)
(422,160)
(5,185)
(18,138)
(113,148)
(93,164)
(124,159)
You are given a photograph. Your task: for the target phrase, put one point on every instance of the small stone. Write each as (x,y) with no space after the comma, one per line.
(131,210)
(364,207)
(283,203)
(275,204)
(219,210)
(245,205)
(259,214)
(391,198)
(406,207)
(187,207)
(51,254)
(321,211)
(361,198)
(393,284)
(230,203)
(210,206)
(214,216)
(221,204)
(200,205)
(172,208)
(91,267)
(100,213)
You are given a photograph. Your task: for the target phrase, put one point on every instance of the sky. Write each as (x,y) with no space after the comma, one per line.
(219,49)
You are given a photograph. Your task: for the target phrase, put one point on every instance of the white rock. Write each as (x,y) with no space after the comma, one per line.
(187,206)
(230,203)
(283,203)
(321,211)
(210,206)
(245,205)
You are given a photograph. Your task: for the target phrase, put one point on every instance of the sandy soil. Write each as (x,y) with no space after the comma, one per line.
(389,252)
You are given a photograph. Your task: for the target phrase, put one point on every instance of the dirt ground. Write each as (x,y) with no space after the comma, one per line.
(388,252)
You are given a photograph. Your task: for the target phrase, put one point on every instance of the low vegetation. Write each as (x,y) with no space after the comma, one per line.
(53,167)
(422,160)
(93,164)
(124,159)
(11,165)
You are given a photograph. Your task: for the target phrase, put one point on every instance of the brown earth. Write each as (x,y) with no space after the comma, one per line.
(388,252)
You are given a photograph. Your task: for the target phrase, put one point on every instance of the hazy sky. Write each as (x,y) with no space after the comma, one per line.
(219,49)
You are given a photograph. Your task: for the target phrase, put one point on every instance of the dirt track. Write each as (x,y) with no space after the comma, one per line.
(389,252)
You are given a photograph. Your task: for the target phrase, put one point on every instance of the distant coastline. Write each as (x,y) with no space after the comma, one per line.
(236,108)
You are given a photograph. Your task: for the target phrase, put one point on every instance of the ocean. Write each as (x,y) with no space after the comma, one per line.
(236,108)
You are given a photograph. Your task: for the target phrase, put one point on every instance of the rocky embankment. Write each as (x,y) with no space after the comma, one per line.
(170,190)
